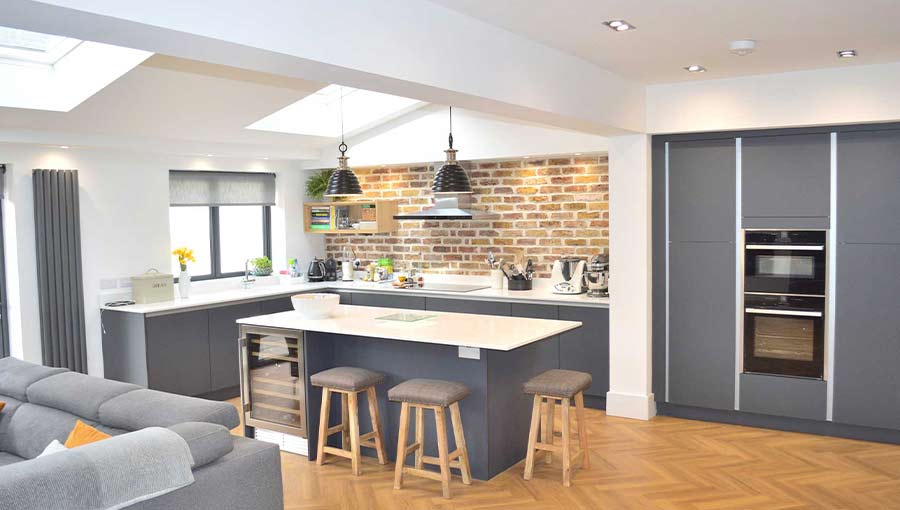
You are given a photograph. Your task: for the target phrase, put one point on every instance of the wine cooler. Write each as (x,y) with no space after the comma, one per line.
(273,389)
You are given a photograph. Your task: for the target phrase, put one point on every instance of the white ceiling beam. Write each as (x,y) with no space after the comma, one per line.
(404,47)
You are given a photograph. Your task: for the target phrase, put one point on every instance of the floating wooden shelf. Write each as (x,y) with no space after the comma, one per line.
(374,217)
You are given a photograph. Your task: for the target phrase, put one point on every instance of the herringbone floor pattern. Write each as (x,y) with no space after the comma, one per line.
(666,463)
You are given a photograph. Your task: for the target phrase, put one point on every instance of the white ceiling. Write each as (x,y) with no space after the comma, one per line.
(179,105)
(671,34)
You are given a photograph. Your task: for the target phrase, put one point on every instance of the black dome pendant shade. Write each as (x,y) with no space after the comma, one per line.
(343,181)
(451,178)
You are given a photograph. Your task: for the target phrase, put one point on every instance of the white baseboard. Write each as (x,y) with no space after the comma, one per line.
(630,405)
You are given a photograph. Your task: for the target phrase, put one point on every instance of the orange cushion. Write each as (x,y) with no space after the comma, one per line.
(2,405)
(84,434)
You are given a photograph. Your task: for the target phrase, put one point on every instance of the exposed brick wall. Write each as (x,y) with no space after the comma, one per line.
(548,208)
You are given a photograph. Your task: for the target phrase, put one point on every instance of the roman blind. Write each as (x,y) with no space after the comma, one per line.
(202,188)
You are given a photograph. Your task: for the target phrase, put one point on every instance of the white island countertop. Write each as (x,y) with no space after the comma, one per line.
(542,294)
(444,328)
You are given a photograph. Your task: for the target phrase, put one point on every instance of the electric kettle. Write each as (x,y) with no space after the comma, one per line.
(316,271)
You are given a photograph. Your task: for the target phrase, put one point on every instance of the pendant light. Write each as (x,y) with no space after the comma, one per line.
(451,178)
(343,181)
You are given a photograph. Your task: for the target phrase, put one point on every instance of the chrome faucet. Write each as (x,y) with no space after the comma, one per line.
(248,279)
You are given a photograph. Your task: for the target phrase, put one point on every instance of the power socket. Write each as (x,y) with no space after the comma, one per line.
(469,352)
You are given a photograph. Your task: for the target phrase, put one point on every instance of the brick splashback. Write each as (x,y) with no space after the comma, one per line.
(548,208)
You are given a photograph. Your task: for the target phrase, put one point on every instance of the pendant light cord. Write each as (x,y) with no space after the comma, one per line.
(450,138)
(343,146)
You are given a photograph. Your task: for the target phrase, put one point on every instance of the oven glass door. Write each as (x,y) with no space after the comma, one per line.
(784,341)
(784,269)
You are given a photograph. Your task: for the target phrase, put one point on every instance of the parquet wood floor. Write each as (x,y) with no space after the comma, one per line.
(666,463)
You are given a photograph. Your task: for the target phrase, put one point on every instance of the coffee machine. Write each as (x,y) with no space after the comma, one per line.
(330,269)
(567,275)
(597,276)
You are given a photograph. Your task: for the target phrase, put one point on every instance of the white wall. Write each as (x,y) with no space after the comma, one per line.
(841,95)
(124,225)
(421,136)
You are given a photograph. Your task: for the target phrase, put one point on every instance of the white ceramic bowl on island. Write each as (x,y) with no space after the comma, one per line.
(315,305)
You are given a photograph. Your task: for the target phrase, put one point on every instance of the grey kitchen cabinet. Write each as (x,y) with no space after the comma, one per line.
(786,176)
(534,311)
(178,353)
(388,300)
(467,306)
(702,190)
(868,186)
(276,305)
(795,397)
(702,315)
(223,343)
(867,336)
(586,349)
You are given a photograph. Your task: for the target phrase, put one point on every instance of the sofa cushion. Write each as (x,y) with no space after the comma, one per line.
(17,375)
(76,393)
(32,428)
(5,417)
(208,441)
(8,458)
(149,408)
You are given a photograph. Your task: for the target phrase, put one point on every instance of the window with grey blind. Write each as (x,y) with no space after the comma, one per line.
(225,217)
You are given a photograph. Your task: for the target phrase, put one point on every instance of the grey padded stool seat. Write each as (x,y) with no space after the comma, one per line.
(436,395)
(349,382)
(552,386)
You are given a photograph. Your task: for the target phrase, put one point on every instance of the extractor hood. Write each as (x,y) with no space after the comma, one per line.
(449,206)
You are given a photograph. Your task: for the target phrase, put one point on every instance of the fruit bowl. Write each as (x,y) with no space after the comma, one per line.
(315,305)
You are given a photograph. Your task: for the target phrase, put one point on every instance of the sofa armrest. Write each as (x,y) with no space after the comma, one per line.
(208,442)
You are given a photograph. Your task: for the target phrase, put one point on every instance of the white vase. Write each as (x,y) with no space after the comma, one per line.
(184,285)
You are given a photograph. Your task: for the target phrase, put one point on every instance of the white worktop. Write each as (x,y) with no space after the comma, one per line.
(541,294)
(444,328)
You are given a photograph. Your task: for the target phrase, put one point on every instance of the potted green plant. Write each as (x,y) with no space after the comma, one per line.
(317,183)
(262,266)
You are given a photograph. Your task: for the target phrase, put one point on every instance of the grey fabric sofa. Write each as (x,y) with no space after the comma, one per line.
(43,404)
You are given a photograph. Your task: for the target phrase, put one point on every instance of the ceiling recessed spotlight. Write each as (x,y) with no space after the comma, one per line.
(619,25)
(846,53)
(209,155)
(266,158)
(63,146)
(742,47)
(695,69)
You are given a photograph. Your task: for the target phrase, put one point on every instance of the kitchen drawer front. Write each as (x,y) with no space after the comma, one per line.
(467,306)
(224,348)
(793,397)
(388,300)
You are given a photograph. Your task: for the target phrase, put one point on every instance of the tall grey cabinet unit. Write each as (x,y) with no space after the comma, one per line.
(702,223)
(867,325)
(786,180)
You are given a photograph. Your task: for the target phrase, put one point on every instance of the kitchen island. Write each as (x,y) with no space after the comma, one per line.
(492,355)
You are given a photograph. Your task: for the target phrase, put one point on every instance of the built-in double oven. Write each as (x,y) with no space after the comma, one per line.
(784,302)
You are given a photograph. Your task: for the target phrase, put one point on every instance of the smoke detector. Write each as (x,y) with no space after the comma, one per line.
(742,47)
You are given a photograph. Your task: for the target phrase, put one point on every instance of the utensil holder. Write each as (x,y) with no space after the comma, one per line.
(497,278)
(520,284)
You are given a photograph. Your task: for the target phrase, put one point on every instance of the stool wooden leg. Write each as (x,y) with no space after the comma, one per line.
(547,428)
(345,423)
(420,437)
(459,437)
(323,426)
(532,436)
(566,449)
(440,421)
(354,432)
(401,445)
(376,424)
(582,431)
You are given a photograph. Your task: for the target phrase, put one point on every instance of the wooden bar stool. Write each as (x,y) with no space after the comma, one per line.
(349,382)
(436,395)
(562,386)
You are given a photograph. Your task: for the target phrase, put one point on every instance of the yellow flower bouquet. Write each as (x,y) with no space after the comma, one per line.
(184,255)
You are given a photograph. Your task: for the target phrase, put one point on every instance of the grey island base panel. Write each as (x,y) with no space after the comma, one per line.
(495,416)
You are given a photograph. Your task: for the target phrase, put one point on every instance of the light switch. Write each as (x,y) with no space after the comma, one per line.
(469,352)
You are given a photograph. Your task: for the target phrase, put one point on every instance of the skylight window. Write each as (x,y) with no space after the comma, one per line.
(56,73)
(34,48)
(319,114)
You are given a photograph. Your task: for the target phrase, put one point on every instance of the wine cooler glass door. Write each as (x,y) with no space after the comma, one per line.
(275,389)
